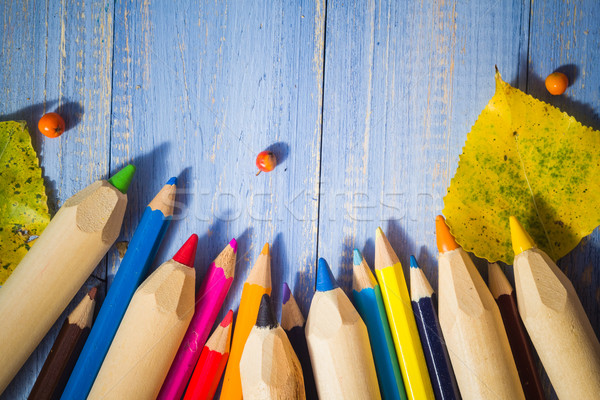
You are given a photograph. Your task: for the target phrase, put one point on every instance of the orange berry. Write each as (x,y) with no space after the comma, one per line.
(51,125)
(557,83)
(265,161)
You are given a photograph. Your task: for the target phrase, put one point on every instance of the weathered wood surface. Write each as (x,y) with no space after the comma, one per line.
(368,103)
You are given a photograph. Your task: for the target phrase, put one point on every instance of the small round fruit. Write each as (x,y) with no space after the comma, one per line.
(557,83)
(265,161)
(51,125)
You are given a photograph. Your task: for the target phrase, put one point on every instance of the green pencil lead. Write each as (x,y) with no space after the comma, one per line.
(122,179)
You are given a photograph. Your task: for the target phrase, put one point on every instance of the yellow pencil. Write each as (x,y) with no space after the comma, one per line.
(402,320)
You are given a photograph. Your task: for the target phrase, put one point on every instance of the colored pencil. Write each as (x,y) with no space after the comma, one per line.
(151,330)
(210,366)
(257,284)
(472,326)
(555,320)
(402,321)
(369,303)
(434,347)
(209,300)
(269,367)
(338,343)
(515,330)
(133,268)
(68,344)
(292,322)
(56,266)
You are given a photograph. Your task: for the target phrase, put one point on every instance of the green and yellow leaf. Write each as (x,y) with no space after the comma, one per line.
(23,202)
(526,158)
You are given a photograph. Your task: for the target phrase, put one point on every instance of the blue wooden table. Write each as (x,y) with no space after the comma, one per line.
(367,105)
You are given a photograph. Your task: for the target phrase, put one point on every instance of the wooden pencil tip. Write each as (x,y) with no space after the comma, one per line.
(186,255)
(521,240)
(233,244)
(497,281)
(379,232)
(92,293)
(445,240)
(172,181)
(265,249)
(286,293)
(357,257)
(266,315)
(228,319)
(325,279)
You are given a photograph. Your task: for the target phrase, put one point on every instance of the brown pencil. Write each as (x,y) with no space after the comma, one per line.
(66,348)
(517,336)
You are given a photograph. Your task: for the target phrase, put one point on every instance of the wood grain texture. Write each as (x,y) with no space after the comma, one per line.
(196,89)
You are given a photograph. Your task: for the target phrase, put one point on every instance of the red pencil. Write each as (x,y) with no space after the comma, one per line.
(211,364)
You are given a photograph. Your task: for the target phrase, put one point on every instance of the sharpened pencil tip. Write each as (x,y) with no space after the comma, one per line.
(445,240)
(413,262)
(172,181)
(233,245)
(92,293)
(228,319)
(357,257)
(265,249)
(378,231)
(122,179)
(186,255)
(286,293)
(521,240)
(266,315)
(325,279)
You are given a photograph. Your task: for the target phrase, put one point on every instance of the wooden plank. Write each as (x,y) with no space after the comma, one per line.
(565,36)
(58,56)
(200,100)
(404,84)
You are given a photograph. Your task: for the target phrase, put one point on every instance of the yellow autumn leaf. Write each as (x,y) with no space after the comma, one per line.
(23,201)
(526,158)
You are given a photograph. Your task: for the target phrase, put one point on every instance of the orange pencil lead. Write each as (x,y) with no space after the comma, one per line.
(445,240)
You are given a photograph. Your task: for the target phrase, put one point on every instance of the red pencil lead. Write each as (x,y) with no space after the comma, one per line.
(228,319)
(186,255)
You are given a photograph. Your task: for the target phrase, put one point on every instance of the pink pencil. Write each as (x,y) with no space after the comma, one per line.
(209,300)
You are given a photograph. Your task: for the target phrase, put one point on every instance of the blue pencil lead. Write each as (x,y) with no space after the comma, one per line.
(172,181)
(413,262)
(325,279)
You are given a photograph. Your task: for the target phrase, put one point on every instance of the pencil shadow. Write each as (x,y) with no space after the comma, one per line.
(583,112)
(242,269)
(279,269)
(429,266)
(345,266)
(304,289)
(72,113)
(210,244)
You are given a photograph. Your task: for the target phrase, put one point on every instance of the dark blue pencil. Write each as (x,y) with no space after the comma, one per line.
(434,347)
(140,253)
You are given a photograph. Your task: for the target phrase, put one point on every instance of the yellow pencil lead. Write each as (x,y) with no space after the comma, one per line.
(521,240)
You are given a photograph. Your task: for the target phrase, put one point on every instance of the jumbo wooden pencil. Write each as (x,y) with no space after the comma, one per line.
(555,320)
(434,347)
(210,366)
(292,322)
(209,300)
(68,344)
(515,330)
(56,267)
(369,303)
(133,268)
(257,284)
(402,321)
(472,326)
(338,343)
(151,330)
(269,367)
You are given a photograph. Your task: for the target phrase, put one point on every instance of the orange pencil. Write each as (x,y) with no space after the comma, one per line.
(211,364)
(257,284)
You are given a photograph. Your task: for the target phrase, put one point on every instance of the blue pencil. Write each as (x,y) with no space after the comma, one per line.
(434,347)
(369,303)
(140,254)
